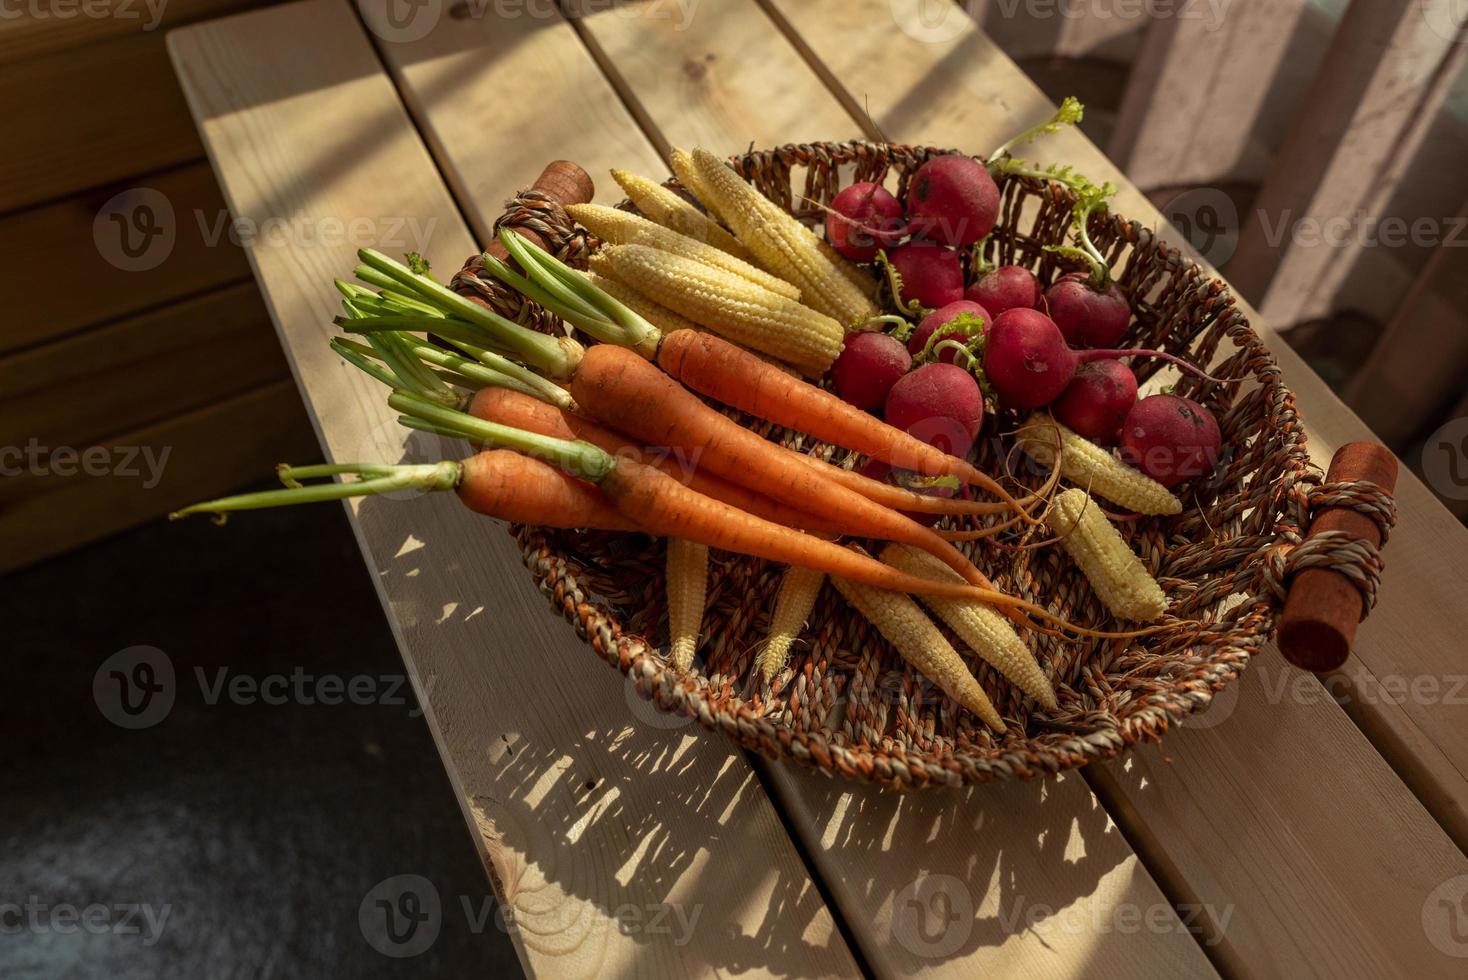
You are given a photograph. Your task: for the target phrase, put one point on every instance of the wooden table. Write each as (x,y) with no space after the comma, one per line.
(1282,834)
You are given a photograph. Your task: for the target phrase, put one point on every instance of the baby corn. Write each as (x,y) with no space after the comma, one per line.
(668,209)
(687,575)
(900,620)
(659,316)
(1115,573)
(687,174)
(782,244)
(985,631)
(1088,465)
(798,591)
(723,302)
(625,228)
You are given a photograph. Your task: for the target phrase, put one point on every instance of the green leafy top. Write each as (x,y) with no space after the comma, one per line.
(417,263)
(894,283)
(1091,199)
(1070,113)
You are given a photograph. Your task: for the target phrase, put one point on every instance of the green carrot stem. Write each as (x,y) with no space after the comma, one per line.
(412,422)
(379,479)
(537,349)
(291,476)
(365,363)
(546,289)
(550,272)
(398,353)
(579,458)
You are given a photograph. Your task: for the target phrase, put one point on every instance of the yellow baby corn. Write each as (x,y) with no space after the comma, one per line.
(1088,465)
(798,591)
(687,575)
(670,210)
(659,316)
(1115,573)
(900,620)
(726,304)
(782,244)
(986,632)
(687,174)
(618,227)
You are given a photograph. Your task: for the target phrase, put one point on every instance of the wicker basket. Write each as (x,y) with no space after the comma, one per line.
(847,703)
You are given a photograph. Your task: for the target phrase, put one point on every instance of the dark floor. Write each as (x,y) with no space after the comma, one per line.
(223,838)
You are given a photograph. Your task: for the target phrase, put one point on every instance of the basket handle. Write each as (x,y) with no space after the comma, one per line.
(563,182)
(1324,605)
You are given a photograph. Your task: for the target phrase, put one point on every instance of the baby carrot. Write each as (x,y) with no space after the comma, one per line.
(620,388)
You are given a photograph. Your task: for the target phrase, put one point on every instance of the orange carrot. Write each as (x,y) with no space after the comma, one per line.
(647,498)
(729,374)
(618,387)
(513,408)
(524,490)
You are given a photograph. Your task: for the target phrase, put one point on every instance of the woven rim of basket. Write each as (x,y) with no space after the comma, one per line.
(1139,706)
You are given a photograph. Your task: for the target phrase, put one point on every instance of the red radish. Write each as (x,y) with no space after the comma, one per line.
(869,365)
(953,199)
(1088,316)
(863,218)
(931,274)
(1170,438)
(942,317)
(940,404)
(1097,400)
(1029,365)
(1009,287)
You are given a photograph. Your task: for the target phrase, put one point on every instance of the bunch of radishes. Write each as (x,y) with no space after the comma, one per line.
(1032,347)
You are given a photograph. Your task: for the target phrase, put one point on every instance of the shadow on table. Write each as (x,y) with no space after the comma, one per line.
(941,874)
(602,816)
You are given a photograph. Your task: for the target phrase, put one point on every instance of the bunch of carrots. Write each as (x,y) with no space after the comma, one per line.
(734,302)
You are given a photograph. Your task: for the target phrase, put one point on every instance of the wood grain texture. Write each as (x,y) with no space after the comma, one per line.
(1018,879)
(112,484)
(461,107)
(964,92)
(1389,71)
(89,120)
(619,845)
(932,884)
(1313,871)
(55,270)
(720,77)
(127,374)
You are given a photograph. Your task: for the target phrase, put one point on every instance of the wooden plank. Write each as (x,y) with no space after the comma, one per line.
(90,120)
(617,845)
(873,863)
(1240,73)
(51,505)
(127,374)
(61,26)
(442,81)
(1331,874)
(974,98)
(1313,227)
(722,77)
(1017,879)
(62,268)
